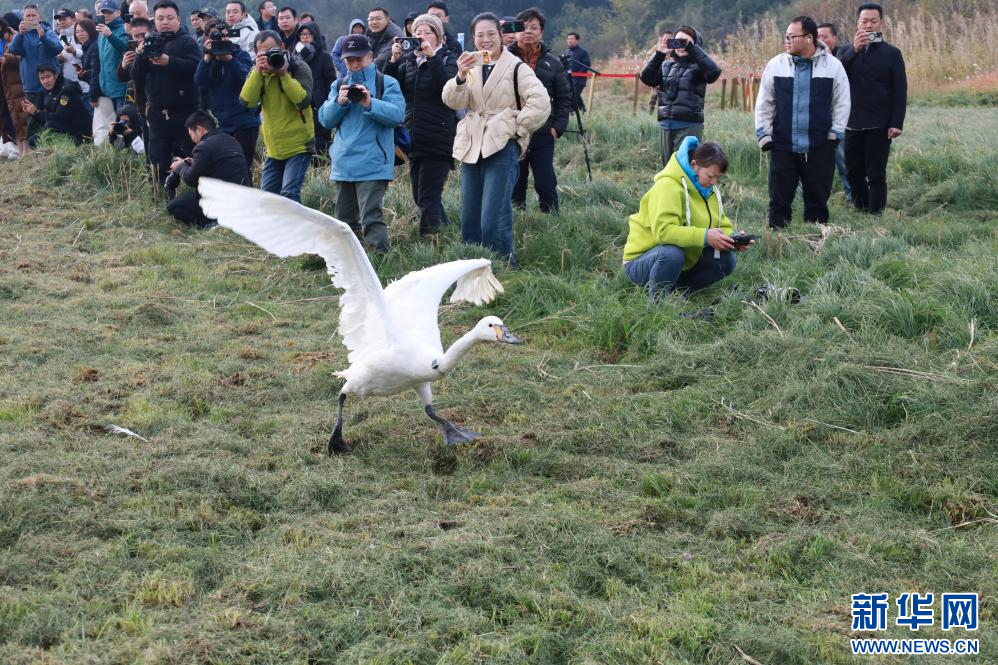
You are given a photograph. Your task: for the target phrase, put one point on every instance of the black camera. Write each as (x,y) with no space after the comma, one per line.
(100,20)
(676,43)
(355,94)
(276,58)
(220,44)
(154,45)
(742,238)
(119,127)
(172,181)
(409,44)
(511,27)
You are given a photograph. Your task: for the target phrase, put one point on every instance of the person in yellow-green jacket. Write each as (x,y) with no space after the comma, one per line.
(282,84)
(680,236)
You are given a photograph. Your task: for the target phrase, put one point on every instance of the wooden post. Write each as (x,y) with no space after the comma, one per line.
(755,91)
(637,85)
(724,91)
(744,91)
(592,89)
(734,92)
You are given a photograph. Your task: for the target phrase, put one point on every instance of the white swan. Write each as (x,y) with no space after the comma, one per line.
(392,333)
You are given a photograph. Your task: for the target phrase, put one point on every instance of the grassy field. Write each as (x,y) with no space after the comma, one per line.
(651,489)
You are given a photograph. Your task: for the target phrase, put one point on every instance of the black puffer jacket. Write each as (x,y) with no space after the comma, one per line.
(217,155)
(432,123)
(90,61)
(170,87)
(551,73)
(682,82)
(62,110)
(321,64)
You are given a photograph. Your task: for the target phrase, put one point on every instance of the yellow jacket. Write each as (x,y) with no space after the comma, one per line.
(675,212)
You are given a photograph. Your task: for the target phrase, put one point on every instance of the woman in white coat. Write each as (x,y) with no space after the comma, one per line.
(502,114)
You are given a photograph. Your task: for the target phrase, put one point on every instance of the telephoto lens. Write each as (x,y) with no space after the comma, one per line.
(276,58)
(355,94)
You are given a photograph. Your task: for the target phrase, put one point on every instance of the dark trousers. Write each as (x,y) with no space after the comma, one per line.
(540,160)
(578,85)
(323,136)
(246,137)
(866,167)
(168,138)
(813,170)
(428,176)
(187,208)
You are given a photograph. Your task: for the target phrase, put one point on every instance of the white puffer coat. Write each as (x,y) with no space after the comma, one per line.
(492,118)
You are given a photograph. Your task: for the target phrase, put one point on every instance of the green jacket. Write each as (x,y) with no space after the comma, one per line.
(662,217)
(287,128)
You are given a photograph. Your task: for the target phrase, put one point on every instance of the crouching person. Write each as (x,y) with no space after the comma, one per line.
(680,237)
(61,107)
(215,155)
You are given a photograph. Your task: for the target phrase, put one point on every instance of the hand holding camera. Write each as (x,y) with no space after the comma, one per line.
(719,240)
(272,61)
(355,93)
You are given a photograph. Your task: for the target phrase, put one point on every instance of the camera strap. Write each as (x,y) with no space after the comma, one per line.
(516,85)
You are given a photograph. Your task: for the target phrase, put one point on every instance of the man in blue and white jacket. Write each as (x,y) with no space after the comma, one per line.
(800,116)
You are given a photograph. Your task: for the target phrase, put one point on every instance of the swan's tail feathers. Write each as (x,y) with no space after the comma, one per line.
(477,287)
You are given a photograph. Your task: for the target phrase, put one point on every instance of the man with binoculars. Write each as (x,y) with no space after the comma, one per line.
(282,85)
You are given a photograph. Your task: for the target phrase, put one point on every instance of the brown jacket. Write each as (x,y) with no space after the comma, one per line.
(13,93)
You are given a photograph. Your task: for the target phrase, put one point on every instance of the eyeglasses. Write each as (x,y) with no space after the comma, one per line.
(790,38)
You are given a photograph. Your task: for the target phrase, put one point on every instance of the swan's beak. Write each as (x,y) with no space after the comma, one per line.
(505,336)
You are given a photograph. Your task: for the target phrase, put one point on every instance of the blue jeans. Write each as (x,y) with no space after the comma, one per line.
(487,208)
(840,164)
(285,176)
(661,269)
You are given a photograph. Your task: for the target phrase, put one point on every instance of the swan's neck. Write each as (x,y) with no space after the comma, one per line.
(457,351)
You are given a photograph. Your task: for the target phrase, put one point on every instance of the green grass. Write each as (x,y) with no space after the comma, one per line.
(651,489)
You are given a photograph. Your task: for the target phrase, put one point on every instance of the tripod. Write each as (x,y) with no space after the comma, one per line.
(581,131)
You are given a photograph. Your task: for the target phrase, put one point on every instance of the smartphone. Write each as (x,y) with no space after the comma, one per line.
(512,27)
(100,20)
(875,37)
(482,57)
(409,44)
(133,44)
(30,25)
(676,43)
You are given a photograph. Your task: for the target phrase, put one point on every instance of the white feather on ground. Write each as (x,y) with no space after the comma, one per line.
(116,429)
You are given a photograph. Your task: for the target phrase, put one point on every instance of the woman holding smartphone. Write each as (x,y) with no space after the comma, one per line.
(506,103)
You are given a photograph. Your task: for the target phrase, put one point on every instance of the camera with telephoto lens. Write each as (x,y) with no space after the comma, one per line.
(154,45)
(219,38)
(276,58)
(355,94)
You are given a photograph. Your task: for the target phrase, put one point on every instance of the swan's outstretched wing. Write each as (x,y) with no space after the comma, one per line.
(414,299)
(286,228)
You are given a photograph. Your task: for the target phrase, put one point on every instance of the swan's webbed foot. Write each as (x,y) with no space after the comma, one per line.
(453,435)
(336,443)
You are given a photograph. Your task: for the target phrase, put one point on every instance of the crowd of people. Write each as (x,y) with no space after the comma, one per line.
(196,97)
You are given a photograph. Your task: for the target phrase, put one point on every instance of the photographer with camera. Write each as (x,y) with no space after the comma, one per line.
(215,155)
(61,108)
(678,238)
(281,85)
(126,133)
(539,158)
(239,20)
(364,108)
(164,72)
(422,70)
(879,92)
(72,50)
(222,72)
(324,73)
(801,136)
(137,31)
(681,70)
(37,45)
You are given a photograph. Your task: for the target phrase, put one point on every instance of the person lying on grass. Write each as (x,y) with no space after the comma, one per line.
(679,218)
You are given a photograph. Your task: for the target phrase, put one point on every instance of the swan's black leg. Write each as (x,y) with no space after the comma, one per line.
(453,434)
(336,443)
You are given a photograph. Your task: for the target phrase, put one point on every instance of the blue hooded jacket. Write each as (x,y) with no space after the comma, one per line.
(364,147)
(224,81)
(337,51)
(35,51)
(111,50)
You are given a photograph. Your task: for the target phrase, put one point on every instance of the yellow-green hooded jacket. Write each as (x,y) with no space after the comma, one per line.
(674,214)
